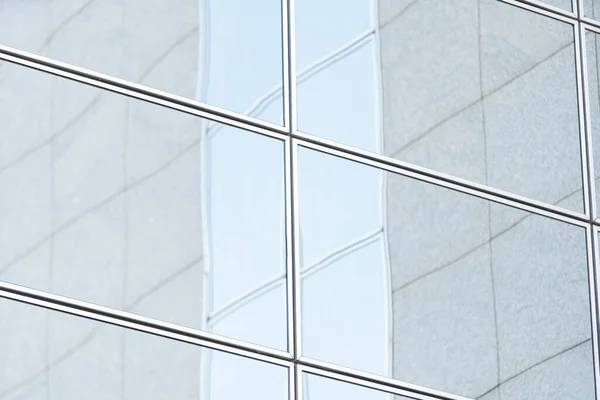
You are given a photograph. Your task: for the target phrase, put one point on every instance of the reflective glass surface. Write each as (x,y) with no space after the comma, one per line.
(461,87)
(49,355)
(133,206)
(438,288)
(564,4)
(190,48)
(592,42)
(591,8)
(316,387)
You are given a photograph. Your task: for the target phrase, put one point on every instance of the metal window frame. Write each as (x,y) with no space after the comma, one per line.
(297,364)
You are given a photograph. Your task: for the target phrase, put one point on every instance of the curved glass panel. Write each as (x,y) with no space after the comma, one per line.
(133,206)
(452,292)
(193,48)
(459,87)
(41,358)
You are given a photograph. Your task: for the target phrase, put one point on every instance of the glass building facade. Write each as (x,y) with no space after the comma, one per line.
(299,199)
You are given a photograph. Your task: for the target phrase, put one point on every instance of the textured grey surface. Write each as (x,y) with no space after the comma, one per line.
(439,59)
(542,301)
(25,207)
(533,134)
(429,67)
(591,9)
(429,227)
(23,346)
(444,329)
(548,379)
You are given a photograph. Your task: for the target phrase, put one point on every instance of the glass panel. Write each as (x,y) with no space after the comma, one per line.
(591,8)
(134,206)
(592,42)
(49,355)
(317,387)
(438,288)
(564,4)
(193,50)
(460,87)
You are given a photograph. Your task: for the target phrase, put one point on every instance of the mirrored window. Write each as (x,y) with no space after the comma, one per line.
(479,89)
(133,206)
(191,48)
(49,355)
(440,289)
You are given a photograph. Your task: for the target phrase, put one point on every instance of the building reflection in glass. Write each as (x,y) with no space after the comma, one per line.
(143,209)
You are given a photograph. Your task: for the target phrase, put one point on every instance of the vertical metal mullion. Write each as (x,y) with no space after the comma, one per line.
(285,41)
(290,251)
(298,380)
(291,65)
(293,267)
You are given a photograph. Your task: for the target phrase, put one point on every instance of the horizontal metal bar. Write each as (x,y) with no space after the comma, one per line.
(138,91)
(591,25)
(143,324)
(439,179)
(542,8)
(205,111)
(373,381)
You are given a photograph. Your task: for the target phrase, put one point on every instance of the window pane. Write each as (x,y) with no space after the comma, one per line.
(438,288)
(564,4)
(44,355)
(592,42)
(134,206)
(460,87)
(193,49)
(591,8)
(319,388)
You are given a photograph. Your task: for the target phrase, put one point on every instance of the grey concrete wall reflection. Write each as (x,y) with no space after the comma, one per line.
(144,209)
(426,285)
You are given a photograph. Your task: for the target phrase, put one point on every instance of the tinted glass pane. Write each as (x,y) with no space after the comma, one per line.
(319,388)
(482,90)
(191,48)
(438,288)
(138,207)
(48,355)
